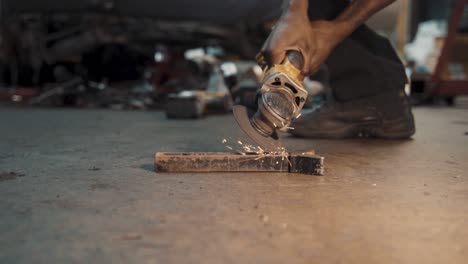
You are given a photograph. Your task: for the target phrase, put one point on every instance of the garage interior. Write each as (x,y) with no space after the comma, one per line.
(91,90)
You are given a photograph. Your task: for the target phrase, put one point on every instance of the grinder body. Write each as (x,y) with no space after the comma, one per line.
(279,100)
(281,96)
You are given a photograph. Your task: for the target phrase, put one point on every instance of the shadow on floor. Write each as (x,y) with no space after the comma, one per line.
(147,167)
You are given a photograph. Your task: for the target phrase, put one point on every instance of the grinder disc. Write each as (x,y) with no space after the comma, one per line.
(269,144)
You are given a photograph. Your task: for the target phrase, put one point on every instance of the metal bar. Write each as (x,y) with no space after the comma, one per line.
(305,163)
(219,162)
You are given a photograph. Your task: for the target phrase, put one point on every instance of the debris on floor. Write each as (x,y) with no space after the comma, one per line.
(7,176)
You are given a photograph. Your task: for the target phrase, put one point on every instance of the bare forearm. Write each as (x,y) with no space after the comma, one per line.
(316,39)
(356,13)
(295,5)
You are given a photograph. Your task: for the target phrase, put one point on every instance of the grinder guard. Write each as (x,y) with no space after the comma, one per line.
(279,100)
(282,95)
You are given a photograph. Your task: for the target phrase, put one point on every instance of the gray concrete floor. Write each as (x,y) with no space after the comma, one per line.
(88,194)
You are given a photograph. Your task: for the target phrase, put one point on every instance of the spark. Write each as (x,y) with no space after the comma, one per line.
(298,115)
(251,149)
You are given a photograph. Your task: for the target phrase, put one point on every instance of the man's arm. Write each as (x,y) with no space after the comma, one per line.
(357,12)
(315,39)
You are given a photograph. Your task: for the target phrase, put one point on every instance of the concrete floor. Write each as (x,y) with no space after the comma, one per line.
(88,194)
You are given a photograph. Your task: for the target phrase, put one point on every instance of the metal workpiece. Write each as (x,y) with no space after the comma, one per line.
(304,163)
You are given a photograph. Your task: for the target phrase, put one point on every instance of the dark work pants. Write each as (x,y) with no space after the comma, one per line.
(364,64)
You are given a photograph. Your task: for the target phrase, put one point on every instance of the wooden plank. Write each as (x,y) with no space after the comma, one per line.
(305,163)
(402,25)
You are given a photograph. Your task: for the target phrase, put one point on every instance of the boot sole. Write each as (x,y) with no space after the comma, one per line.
(401,128)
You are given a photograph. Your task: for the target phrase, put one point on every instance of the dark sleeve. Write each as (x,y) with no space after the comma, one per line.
(326,9)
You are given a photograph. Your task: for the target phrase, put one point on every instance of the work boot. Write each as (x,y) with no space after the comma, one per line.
(382,116)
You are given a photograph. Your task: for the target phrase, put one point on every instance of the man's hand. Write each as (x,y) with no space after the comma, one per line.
(314,39)
(294,31)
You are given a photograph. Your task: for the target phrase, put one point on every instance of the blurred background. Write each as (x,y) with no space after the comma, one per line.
(193,58)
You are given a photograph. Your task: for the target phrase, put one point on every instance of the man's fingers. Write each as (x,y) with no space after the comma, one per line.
(274,57)
(268,57)
(260,59)
(314,68)
(305,71)
(274,48)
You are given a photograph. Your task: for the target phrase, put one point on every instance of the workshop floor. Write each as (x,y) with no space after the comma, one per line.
(82,190)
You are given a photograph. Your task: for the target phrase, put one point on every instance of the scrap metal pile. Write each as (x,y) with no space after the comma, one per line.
(99,59)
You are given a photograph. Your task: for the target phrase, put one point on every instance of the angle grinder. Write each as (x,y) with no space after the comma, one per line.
(279,102)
